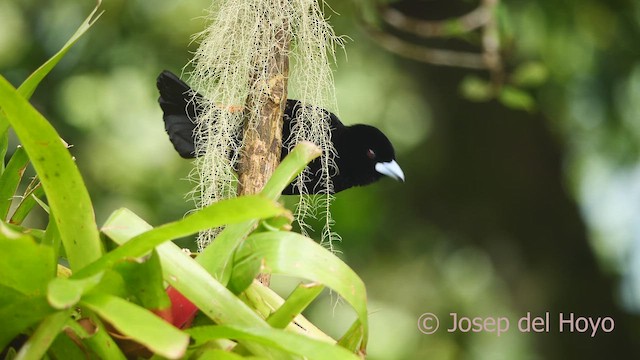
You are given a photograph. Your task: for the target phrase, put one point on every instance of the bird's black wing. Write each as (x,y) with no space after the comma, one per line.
(181,108)
(315,183)
(291,113)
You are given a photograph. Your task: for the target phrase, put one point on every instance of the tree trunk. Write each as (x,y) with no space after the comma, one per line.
(263,139)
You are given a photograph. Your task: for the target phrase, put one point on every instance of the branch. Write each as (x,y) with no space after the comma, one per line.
(425,54)
(473,20)
(482,17)
(262,139)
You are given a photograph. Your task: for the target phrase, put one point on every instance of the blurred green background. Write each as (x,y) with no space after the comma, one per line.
(504,211)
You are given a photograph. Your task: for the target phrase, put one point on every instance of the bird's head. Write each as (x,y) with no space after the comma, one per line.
(367,154)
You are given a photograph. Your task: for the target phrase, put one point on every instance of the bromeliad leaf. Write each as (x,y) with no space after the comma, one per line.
(190,279)
(292,343)
(231,211)
(139,324)
(25,269)
(144,281)
(26,266)
(68,197)
(297,301)
(27,202)
(64,293)
(216,257)
(296,255)
(10,179)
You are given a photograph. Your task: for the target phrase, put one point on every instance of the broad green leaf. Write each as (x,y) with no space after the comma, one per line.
(68,197)
(242,280)
(296,255)
(10,179)
(25,266)
(191,279)
(295,304)
(228,211)
(139,324)
(293,343)
(20,313)
(216,258)
(144,281)
(64,293)
(124,225)
(28,86)
(36,347)
(111,283)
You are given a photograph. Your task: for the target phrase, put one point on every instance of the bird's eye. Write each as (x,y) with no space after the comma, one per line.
(371,154)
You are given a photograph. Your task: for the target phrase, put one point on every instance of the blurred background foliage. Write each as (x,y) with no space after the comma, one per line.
(504,210)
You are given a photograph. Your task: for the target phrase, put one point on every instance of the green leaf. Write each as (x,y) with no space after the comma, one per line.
(64,293)
(139,324)
(292,343)
(25,266)
(144,281)
(216,258)
(516,99)
(476,89)
(530,74)
(124,225)
(4,145)
(296,255)
(52,238)
(10,179)
(29,86)
(44,335)
(20,312)
(289,168)
(295,304)
(228,211)
(27,203)
(101,343)
(111,283)
(218,354)
(68,198)
(353,337)
(64,347)
(241,281)
(260,296)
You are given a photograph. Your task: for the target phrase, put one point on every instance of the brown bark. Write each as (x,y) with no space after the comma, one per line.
(263,139)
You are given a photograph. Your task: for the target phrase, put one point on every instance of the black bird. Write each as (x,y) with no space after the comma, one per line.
(363,153)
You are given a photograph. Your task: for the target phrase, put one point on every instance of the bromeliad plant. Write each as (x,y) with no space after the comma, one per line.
(111,301)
